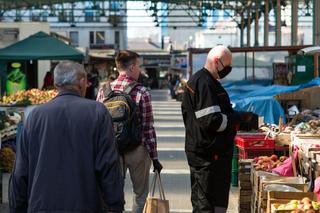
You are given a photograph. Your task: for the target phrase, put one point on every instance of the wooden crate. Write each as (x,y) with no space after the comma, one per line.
(294,182)
(255,180)
(286,197)
(256,177)
(245,188)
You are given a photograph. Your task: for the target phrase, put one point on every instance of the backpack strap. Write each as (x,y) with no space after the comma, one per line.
(106,89)
(130,87)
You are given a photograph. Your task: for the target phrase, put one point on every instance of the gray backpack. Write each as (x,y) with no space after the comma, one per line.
(123,110)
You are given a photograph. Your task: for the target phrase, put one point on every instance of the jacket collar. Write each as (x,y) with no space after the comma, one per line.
(68,92)
(209,74)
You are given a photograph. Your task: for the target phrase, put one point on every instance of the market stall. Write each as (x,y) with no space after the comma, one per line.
(17,61)
(285,181)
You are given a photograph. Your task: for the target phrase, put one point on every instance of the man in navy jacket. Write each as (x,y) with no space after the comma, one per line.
(67,159)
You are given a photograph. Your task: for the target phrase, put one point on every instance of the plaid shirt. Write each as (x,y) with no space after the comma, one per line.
(141,96)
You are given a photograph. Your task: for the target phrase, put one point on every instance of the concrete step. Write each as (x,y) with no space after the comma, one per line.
(170,133)
(164,91)
(170,139)
(166,110)
(169,107)
(173,159)
(166,103)
(173,142)
(162,129)
(166,113)
(169,124)
(167,118)
(170,145)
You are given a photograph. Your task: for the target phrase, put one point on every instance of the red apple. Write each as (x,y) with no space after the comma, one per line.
(274,158)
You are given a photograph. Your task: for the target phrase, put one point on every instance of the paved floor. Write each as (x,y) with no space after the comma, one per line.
(175,175)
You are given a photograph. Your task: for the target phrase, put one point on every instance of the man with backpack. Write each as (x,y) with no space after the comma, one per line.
(129,104)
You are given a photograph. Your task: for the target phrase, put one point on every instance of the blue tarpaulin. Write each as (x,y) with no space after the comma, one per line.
(260,99)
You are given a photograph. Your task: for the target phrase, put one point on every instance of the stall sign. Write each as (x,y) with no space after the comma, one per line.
(16,78)
(180,61)
(161,62)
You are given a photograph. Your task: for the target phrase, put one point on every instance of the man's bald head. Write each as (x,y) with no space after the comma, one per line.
(222,53)
(218,57)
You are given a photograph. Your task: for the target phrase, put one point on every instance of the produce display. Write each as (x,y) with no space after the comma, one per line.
(265,163)
(7,158)
(311,127)
(8,120)
(29,97)
(306,122)
(305,116)
(306,205)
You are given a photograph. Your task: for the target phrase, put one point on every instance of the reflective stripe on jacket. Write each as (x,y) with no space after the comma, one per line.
(207,114)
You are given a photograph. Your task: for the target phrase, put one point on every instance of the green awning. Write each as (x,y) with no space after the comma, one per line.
(40,46)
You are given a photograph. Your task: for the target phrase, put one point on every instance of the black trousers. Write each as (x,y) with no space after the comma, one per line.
(210,185)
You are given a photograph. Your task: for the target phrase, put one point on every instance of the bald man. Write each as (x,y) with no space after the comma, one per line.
(208,118)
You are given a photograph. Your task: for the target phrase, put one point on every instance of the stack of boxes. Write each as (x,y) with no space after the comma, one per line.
(245,188)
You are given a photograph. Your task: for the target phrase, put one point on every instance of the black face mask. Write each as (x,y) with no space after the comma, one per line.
(225,71)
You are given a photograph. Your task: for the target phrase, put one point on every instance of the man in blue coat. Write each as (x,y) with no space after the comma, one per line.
(67,159)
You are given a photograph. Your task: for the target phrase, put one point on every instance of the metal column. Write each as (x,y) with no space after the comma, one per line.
(249,25)
(253,67)
(242,31)
(316,22)
(316,34)
(278,23)
(266,23)
(256,24)
(294,22)
(245,65)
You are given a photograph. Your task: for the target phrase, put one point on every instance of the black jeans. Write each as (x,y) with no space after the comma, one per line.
(210,186)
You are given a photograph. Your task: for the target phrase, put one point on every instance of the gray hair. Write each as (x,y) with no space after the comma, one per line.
(68,73)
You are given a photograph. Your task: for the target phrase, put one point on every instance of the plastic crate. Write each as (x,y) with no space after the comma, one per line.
(252,153)
(254,142)
(234,178)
